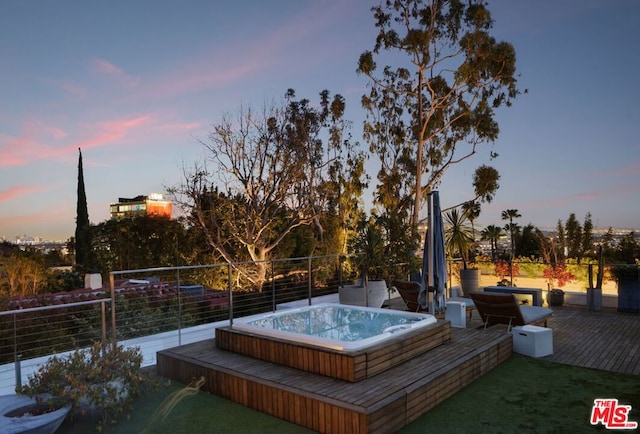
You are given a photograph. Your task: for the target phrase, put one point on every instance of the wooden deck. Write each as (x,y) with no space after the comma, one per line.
(605,340)
(383,403)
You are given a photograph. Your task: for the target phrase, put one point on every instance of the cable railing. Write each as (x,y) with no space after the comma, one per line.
(154,300)
(153,303)
(33,332)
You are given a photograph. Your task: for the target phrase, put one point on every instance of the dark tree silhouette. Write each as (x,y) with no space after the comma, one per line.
(82,219)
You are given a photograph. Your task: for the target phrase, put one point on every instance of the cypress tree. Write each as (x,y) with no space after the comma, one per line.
(587,236)
(82,219)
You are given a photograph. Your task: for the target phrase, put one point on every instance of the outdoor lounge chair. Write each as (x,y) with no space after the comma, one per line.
(409,292)
(499,308)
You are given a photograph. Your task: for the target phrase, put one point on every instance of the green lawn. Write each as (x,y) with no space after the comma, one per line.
(522,395)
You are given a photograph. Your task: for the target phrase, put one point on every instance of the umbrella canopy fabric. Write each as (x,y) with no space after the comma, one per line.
(434,264)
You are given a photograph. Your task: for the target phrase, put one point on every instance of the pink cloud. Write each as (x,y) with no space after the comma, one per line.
(19,151)
(631,170)
(72,89)
(109,132)
(180,127)
(58,133)
(561,201)
(106,68)
(11,154)
(19,191)
(39,220)
(253,57)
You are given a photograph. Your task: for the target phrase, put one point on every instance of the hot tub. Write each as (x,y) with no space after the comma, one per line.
(346,342)
(335,326)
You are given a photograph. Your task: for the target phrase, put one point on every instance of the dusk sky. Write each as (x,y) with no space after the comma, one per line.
(137,84)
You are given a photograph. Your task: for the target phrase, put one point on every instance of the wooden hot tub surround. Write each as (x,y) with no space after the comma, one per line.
(349,366)
(393,392)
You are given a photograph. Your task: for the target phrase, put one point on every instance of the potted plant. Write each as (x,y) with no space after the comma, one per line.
(459,242)
(103,378)
(626,276)
(22,414)
(594,293)
(371,289)
(555,297)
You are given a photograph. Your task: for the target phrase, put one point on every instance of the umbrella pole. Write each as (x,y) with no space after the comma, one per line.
(430,258)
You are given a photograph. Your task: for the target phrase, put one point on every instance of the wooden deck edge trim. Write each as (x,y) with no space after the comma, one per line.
(324,413)
(181,359)
(320,413)
(379,361)
(440,385)
(352,366)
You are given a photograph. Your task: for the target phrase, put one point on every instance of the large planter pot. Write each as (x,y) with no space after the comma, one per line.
(21,414)
(594,299)
(629,296)
(555,298)
(373,295)
(469,281)
(378,292)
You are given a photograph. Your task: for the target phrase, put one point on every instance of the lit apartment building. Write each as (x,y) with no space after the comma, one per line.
(152,204)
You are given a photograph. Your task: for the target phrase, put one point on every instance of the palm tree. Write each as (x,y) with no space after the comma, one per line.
(492,234)
(510,214)
(458,234)
(472,211)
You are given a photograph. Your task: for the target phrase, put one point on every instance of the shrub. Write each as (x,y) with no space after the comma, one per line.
(623,273)
(502,269)
(558,273)
(530,267)
(103,377)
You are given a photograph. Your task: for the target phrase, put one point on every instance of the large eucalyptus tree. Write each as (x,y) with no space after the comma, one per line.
(435,105)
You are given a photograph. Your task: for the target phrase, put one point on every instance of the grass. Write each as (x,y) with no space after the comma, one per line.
(521,395)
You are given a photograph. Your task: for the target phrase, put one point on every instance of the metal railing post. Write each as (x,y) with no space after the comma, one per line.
(179,307)
(103,309)
(112,285)
(230,296)
(15,336)
(309,279)
(273,288)
(18,370)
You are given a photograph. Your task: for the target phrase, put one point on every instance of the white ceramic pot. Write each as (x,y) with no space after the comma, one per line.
(18,415)
(373,295)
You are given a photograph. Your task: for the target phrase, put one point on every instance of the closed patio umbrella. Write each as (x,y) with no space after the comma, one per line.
(434,264)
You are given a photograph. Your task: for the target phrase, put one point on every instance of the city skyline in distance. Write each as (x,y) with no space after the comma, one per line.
(136,94)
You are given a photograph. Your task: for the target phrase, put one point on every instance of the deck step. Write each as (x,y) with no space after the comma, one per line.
(383,403)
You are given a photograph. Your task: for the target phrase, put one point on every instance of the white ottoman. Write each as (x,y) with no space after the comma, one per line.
(456,312)
(532,341)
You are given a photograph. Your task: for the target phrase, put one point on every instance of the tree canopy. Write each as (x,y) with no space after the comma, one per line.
(436,105)
(269,173)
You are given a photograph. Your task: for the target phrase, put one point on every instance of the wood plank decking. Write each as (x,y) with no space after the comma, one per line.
(605,340)
(384,403)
